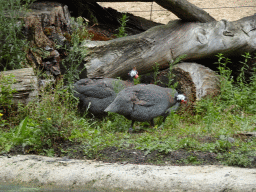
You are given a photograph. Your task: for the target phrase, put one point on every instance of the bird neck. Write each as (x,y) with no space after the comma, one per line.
(130,79)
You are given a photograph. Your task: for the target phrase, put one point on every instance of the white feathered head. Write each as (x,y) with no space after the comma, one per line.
(181,98)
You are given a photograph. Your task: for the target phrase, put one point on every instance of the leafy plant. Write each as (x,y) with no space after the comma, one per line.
(6,90)
(171,76)
(156,73)
(240,94)
(236,158)
(13,42)
(121,29)
(241,76)
(53,115)
(6,95)
(118,85)
(72,63)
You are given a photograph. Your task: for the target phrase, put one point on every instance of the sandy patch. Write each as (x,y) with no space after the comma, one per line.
(229,9)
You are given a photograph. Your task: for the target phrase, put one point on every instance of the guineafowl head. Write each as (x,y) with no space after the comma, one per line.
(181,98)
(133,74)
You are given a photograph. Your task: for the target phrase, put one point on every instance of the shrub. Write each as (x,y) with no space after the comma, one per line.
(13,43)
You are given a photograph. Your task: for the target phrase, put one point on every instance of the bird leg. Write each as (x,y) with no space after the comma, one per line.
(161,126)
(164,118)
(131,128)
(152,123)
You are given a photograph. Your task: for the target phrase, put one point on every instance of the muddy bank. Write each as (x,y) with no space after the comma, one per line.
(74,174)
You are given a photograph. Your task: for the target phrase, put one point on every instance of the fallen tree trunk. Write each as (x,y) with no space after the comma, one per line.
(186,10)
(163,44)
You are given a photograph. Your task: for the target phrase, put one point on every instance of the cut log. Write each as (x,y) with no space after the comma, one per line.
(194,80)
(162,44)
(205,80)
(26,85)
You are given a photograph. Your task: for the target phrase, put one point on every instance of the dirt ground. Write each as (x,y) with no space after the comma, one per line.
(229,9)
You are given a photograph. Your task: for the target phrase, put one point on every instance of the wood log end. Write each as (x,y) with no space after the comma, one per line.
(205,80)
(26,85)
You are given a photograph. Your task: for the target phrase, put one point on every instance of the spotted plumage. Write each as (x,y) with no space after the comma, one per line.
(145,102)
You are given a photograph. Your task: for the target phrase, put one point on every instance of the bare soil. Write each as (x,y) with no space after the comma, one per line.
(182,157)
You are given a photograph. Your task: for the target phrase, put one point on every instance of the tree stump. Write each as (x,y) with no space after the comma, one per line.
(47,26)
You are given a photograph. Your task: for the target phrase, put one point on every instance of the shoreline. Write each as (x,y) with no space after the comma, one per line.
(74,174)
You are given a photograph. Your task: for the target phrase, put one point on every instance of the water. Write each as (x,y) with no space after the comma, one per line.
(14,187)
(10,187)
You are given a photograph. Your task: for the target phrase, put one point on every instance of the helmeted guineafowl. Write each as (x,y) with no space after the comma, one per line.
(145,102)
(96,94)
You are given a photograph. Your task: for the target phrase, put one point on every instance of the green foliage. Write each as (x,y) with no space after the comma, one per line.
(171,76)
(150,143)
(236,158)
(26,133)
(118,85)
(156,73)
(13,43)
(241,77)
(240,94)
(49,120)
(121,30)
(188,143)
(136,81)
(6,91)
(76,54)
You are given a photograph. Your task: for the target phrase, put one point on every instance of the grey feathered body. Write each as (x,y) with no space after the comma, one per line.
(98,94)
(144,102)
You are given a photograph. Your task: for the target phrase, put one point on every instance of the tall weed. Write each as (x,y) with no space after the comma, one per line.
(53,115)
(72,63)
(121,30)
(239,94)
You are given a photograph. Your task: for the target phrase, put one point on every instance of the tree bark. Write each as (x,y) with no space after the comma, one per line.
(186,10)
(163,44)
(205,80)
(47,26)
